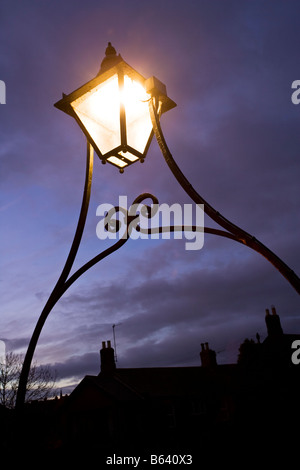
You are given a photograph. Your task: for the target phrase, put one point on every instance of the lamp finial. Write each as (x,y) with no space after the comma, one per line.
(110,50)
(110,58)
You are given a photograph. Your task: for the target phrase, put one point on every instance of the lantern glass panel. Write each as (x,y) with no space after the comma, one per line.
(138,121)
(99,111)
(117,161)
(121,159)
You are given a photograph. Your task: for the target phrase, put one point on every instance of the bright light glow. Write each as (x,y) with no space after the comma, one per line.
(129,156)
(117,161)
(99,111)
(138,122)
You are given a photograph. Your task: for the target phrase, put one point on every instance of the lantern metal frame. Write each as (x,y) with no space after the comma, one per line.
(111,66)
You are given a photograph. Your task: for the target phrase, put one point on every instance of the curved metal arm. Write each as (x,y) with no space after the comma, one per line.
(185,228)
(64,282)
(238,234)
(59,287)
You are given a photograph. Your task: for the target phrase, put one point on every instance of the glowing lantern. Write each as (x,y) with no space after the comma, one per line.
(112,110)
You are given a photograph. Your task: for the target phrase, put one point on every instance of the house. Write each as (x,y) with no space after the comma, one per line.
(206,410)
(274,352)
(149,407)
(185,408)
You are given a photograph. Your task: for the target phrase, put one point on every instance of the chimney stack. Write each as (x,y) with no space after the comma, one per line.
(273,323)
(208,356)
(107,357)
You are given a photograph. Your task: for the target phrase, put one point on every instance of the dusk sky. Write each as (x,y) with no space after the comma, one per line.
(229,66)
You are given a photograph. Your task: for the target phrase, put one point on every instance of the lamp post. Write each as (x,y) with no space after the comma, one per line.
(112,111)
(119,112)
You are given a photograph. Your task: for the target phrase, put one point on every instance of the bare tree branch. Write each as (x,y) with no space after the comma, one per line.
(41,380)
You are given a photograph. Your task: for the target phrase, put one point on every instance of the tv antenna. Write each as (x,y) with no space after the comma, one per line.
(115,344)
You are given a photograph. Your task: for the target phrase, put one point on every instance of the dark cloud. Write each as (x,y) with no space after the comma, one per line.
(163,320)
(77,367)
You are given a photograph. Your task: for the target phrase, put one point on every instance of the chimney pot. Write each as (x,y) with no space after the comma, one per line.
(107,357)
(273,324)
(207,356)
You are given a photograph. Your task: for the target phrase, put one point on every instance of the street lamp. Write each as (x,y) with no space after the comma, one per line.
(112,110)
(119,112)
